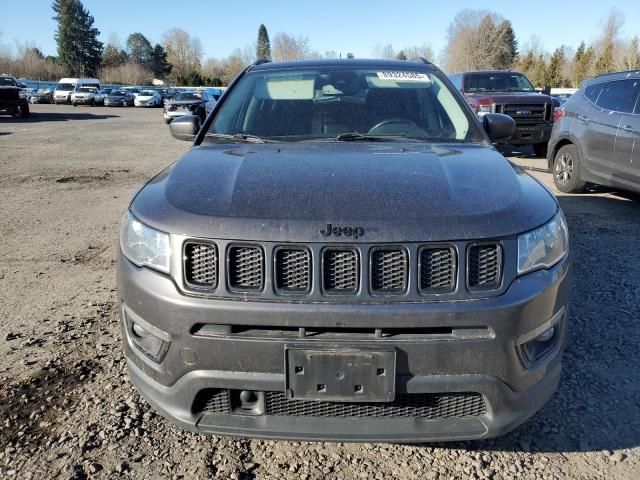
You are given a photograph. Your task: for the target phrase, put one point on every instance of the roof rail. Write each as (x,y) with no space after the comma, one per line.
(420,60)
(260,61)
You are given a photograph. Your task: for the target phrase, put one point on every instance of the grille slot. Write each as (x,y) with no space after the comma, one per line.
(438,268)
(484,266)
(246,268)
(423,405)
(341,270)
(293,270)
(212,400)
(389,270)
(201,264)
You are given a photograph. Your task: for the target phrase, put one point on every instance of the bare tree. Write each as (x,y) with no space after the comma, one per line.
(129,73)
(478,39)
(425,51)
(383,51)
(184,52)
(288,47)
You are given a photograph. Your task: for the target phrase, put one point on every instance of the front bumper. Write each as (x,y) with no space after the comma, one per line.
(112,103)
(530,134)
(487,363)
(176,113)
(82,101)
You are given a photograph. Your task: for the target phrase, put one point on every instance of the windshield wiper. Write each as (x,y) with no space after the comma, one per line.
(239,137)
(353,136)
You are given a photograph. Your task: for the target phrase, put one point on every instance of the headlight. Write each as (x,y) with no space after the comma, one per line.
(484,109)
(543,247)
(144,245)
(22,95)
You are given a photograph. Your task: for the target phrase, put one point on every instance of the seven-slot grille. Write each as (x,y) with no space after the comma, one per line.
(484,266)
(438,269)
(245,265)
(292,268)
(341,270)
(389,270)
(201,264)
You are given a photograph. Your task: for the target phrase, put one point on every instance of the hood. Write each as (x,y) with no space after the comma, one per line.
(115,97)
(394,191)
(510,97)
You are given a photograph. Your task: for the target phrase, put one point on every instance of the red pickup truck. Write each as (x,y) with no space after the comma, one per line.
(513,94)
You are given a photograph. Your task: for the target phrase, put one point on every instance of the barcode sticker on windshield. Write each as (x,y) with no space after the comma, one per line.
(404,76)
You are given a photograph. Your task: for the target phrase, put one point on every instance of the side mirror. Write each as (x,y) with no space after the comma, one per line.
(498,126)
(185,127)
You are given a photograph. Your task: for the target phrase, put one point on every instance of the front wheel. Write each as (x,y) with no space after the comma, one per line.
(540,149)
(566,170)
(24,110)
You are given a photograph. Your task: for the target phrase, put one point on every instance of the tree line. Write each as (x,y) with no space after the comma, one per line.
(476,40)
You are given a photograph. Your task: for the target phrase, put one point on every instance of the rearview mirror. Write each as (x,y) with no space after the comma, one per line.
(185,127)
(498,126)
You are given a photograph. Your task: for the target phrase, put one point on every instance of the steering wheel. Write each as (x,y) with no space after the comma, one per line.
(396,126)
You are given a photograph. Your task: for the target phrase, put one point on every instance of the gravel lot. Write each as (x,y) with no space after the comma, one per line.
(67,409)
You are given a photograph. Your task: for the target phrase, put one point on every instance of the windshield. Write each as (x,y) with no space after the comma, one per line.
(186,96)
(498,82)
(86,89)
(65,87)
(147,93)
(326,102)
(118,93)
(7,82)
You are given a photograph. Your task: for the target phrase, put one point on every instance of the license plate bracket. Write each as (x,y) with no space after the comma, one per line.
(340,374)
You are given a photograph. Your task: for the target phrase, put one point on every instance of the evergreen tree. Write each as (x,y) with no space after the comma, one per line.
(112,57)
(79,49)
(263,47)
(159,64)
(139,49)
(606,60)
(582,61)
(350,55)
(508,51)
(553,74)
(631,59)
(401,55)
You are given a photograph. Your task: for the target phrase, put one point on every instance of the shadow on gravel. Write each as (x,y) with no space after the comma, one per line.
(5,133)
(58,117)
(597,406)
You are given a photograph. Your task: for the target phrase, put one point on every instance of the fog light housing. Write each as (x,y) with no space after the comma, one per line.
(149,340)
(537,344)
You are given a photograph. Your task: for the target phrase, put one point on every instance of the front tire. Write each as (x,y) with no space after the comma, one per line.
(24,110)
(566,170)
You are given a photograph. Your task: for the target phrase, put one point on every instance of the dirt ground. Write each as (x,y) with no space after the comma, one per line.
(67,409)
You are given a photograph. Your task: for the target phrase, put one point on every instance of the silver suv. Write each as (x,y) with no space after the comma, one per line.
(596,137)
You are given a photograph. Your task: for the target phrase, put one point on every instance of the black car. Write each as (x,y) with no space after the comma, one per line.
(596,138)
(118,98)
(342,255)
(13,100)
(184,103)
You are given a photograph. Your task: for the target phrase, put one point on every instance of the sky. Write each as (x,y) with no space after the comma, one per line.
(342,26)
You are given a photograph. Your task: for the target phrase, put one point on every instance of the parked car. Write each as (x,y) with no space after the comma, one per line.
(184,103)
(66,87)
(44,95)
(596,138)
(118,98)
(12,100)
(342,254)
(210,97)
(83,96)
(513,94)
(134,91)
(563,94)
(148,98)
(100,95)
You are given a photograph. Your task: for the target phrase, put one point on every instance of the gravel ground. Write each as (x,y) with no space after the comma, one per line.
(67,409)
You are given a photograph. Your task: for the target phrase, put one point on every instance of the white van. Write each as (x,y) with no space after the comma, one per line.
(66,86)
(64,89)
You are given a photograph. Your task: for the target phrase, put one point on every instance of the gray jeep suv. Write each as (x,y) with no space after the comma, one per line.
(596,137)
(342,255)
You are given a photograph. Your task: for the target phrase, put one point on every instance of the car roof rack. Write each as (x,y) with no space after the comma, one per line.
(420,60)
